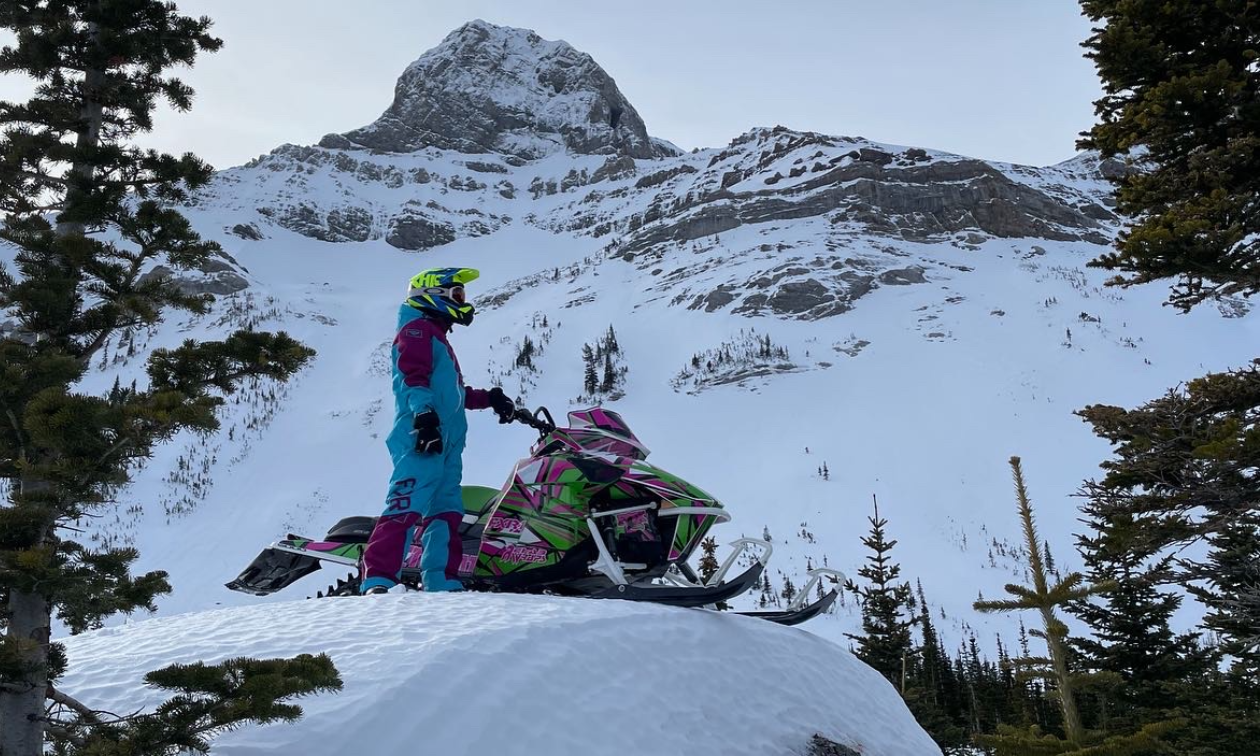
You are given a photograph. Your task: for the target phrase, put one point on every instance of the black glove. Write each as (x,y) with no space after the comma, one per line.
(428,433)
(502,406)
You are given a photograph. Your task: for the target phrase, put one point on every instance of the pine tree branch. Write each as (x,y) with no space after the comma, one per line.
(72,703)
(33,176)
(86,355)
(1001,606)
(118,446)
(65,734)
(129,281)
(38,209)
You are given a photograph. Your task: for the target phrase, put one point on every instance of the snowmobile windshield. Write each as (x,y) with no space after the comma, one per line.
(599,430)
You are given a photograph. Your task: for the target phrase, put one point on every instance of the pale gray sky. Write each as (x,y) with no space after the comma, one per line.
(997,79)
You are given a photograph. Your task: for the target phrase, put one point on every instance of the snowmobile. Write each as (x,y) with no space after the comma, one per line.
(584,515)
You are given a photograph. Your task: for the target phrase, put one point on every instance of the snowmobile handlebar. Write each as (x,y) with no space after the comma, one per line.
(540,419)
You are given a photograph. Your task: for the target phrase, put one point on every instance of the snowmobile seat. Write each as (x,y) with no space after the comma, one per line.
(351,530)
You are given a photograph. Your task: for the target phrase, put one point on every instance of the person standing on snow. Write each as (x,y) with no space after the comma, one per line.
(427,440)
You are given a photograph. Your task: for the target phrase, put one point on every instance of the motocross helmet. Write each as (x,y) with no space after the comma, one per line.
(440,292)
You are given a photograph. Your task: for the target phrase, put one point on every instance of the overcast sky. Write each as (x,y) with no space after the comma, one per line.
(997,79)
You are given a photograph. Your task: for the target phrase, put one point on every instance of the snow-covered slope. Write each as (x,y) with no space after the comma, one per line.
(478,673)
(931,315)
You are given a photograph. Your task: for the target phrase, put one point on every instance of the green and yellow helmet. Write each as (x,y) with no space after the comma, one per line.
(440,292)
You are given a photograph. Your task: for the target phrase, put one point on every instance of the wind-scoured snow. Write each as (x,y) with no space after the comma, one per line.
(501,674)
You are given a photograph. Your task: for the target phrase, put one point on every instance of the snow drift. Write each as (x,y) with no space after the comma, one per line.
(503,674)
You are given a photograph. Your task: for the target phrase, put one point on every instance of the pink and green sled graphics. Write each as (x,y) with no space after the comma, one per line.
(544,518)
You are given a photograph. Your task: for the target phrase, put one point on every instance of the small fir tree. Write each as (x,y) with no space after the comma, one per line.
(885,638)
(789,590)
(610,375)
(525,354)
(1135,658)
(1046,598)
(708,559)
(590,381)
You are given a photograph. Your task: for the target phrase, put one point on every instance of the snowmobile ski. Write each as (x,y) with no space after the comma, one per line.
(687,596)
(797,610)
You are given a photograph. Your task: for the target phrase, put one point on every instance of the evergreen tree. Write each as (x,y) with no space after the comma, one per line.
(590,380)
(1185,471)
(1045,598)
(1181,84)
(708,560)
(1135,656)
(610,374)
(68,171)
(885,640)
(932,693)
(1231,592)
(525,354)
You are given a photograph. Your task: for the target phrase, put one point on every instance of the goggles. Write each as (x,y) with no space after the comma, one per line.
(454,293)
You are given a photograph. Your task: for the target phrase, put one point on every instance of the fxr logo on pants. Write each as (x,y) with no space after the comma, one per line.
(399,498)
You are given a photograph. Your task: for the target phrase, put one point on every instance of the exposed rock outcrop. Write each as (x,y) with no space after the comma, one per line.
(490,88)
(917,202)
(247,231)
(416,231)
(218,276)
(337,225)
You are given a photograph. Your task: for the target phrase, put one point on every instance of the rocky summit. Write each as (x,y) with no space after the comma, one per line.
(489,88)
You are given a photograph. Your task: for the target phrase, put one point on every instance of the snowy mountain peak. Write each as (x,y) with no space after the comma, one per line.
(498,89)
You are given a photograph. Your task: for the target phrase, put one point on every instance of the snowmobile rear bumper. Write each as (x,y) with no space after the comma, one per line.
(285,562)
